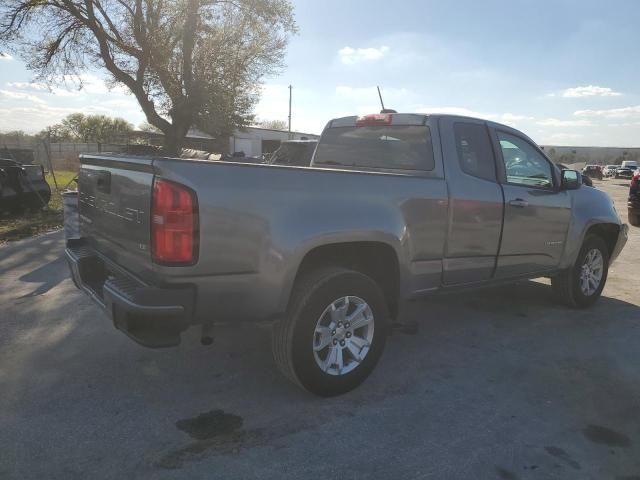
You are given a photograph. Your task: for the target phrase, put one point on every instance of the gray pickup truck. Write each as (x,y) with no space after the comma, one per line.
(394,207)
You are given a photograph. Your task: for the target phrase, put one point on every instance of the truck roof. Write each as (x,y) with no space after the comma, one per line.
(402,119)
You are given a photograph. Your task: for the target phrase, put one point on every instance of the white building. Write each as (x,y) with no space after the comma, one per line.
(255,141)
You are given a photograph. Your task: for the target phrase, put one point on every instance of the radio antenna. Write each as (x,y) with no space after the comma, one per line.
(380,95)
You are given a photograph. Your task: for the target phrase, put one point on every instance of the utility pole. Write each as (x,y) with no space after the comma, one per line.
(290,90)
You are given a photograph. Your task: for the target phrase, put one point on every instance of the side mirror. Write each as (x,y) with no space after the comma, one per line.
(571,179)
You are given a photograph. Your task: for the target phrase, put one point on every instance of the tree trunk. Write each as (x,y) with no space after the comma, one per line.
(181,120)
(173,141)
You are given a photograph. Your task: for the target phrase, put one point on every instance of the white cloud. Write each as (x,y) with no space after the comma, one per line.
(41,88)
(506,118)
(20,96)
(560,137)
(610,113)
(32,106)
(452,111)
(5,56)
(589,91)
(511,118)
(554,122)
(352,56)
(88,83)
(390,95)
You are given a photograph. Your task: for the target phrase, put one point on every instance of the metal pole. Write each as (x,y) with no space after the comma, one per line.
(290,89)
(47,145)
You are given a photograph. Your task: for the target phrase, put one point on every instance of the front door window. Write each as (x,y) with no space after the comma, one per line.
(523,164)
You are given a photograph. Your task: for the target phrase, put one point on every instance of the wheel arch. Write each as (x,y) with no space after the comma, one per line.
(609,232)
(376,259)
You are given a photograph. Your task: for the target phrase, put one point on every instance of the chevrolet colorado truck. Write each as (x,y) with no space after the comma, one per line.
(393,207)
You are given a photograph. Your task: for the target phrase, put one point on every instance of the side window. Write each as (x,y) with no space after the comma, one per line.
(523,164)
(474,150)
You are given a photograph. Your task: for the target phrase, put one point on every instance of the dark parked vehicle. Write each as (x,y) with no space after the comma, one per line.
(393,207)
(22,186)
(294,153)
(585,180)
(593,171)
(624,172)
(634,200)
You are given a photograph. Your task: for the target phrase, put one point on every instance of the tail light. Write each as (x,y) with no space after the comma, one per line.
(374,119)
(635,180)
(174,223)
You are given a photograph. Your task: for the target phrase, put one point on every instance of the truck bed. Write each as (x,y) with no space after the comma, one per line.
(258,221)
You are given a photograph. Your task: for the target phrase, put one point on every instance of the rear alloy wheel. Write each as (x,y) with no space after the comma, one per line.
(334,331)
(582,285)
(343,335)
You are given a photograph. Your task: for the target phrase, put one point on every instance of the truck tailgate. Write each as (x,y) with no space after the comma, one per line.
(114,205)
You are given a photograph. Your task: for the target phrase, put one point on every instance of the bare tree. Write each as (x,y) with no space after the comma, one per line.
(187,62)
(273,124)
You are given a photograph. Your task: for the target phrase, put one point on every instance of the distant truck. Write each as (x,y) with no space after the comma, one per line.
(393,208)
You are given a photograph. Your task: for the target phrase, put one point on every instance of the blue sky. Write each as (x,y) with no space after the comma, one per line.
(565,72)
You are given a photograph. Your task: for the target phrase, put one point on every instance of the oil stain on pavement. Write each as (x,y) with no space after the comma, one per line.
(505,474)
(215,432)
(606,436)
(210,424)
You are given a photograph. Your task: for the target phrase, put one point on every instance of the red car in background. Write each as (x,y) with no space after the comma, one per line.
(634,200)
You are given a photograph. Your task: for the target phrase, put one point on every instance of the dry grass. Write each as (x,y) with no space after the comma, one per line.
(27,224)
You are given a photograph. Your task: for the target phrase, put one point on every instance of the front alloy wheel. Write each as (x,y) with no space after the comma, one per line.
(591,272)
(581,285)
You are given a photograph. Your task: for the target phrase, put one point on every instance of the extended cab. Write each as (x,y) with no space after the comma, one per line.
(394,207)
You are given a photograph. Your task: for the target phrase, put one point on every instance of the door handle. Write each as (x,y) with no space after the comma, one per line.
(518,202)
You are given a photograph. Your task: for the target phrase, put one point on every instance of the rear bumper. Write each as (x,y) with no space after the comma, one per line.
(152,316)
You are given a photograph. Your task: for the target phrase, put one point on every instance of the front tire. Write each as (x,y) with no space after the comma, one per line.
(581,285)
(634,219)
(334,331)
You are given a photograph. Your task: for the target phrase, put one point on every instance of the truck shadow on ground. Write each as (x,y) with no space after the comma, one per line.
(495,355)
(47,276)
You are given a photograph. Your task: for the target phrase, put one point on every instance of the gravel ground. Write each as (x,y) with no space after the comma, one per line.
(501,384)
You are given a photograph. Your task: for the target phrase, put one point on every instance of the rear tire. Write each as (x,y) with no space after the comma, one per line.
(634,219)
(297,338)
(569,286)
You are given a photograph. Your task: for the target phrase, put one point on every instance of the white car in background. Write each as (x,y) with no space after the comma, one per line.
(609,170)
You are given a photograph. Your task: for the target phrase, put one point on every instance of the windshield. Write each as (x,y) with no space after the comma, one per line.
(402,147)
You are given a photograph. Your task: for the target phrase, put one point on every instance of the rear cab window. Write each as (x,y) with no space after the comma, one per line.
(297,154)
(368,145)
(475,154)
